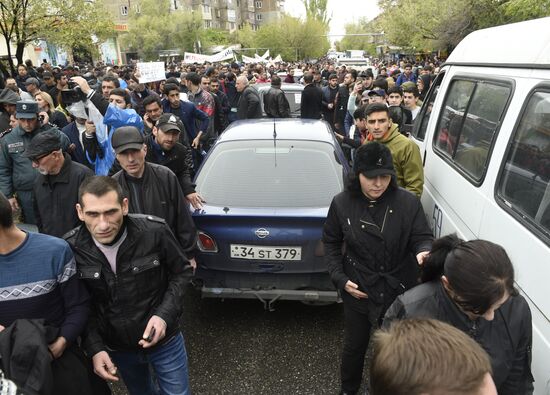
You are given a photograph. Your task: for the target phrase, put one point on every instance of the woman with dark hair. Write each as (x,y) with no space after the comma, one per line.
(375,237)
(470,285)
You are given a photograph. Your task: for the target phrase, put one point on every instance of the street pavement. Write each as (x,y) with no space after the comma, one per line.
(236,347)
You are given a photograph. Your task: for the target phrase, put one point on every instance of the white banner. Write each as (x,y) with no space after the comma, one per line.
(266,55)
(278,59)
(247,59)
(223,55)
(151,72)
(189,57)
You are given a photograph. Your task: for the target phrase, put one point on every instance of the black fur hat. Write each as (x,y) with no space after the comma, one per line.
(373,159)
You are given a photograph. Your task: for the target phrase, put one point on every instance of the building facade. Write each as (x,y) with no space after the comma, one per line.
(268,10)
(227,15)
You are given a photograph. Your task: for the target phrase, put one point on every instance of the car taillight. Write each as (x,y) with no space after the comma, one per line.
(207,243)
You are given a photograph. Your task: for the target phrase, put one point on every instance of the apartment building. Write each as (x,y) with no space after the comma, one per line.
(268,10)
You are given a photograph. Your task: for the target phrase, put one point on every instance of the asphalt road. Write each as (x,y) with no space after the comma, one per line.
(236,347)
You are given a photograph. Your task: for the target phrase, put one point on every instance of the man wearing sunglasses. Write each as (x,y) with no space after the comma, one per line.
(16,172)
(56,187)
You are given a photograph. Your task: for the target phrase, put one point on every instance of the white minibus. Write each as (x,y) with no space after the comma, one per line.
(484,133)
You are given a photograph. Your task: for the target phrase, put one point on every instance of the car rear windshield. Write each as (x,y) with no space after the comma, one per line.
(256,174)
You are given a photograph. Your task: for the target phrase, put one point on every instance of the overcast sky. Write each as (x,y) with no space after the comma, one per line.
(343,11)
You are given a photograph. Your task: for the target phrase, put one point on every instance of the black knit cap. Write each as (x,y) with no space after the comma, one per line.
(373,159)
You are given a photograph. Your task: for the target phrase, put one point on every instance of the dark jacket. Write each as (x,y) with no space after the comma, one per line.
(311,103)
(179,159)
(226,107)
(276,104)
(163,197)
(55,198)
(329,96)
(341,107)
(58,119)
(249,106)
(507,338)
(26,359)
(16,172)
(190,115)
(137,100)
(380,240)
(4,121)
(77,154)
(150,279)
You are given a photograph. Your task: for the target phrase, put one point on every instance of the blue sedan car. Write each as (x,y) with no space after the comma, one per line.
(268,185)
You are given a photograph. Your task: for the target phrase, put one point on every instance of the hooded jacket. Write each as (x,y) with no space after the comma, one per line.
(407,160)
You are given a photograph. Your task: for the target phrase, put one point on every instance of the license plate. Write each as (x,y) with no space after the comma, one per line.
(240,251)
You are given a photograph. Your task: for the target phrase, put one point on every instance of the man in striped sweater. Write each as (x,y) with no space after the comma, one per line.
(38,281)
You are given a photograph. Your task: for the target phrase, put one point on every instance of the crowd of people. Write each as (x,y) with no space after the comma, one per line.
(103,165)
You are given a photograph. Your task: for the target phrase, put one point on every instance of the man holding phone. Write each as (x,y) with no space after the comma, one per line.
(136,273)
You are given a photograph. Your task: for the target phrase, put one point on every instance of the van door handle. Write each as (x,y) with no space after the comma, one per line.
(424,159)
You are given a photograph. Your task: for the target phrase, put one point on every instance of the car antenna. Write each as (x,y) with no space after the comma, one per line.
(275,141)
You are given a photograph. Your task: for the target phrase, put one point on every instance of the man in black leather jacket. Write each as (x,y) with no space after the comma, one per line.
(275,102)
(136,272)
(164,148)
(152,189)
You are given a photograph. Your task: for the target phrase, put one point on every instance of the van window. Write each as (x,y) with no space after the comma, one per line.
(421,121)
(524,183)
(468,124)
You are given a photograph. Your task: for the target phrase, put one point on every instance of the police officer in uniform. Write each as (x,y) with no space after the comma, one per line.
(17,175)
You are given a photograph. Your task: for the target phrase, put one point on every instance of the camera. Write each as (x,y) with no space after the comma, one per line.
(72,95)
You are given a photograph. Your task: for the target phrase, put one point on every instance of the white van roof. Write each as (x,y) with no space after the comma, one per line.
(523,44)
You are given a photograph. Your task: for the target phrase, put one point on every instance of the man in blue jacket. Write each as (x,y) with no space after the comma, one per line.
(194,120)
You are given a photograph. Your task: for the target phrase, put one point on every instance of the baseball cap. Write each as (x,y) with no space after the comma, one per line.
(30,81)
(26,109)
(42,144)
(126,137)
(47,74)
(169,122)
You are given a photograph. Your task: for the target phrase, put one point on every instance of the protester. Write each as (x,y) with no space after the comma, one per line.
(470,285)
(405,153)
(153,189)
(56,187)
(311,101)
(249,105)
(386,237)
(136,273)
(164,148)
(275,102)
(8,100)
(416,357)
(40,287)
